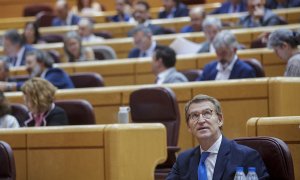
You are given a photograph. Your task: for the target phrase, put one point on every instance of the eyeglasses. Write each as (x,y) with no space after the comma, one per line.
(206,114)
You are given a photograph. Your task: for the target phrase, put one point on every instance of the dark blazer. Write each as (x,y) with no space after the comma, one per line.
(181,11)
(135,52)
(230,156)
(117,18)
(225,7)
(240,70)
(55,117)
(58,22)
(271,4)
(59,78)
(27,48)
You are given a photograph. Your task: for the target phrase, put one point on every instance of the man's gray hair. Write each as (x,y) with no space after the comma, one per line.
(86,22)
(212,21)
(225,38)
(142,28)
(281,36)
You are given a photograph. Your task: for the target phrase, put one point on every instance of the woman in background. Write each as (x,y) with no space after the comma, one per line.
(74,50)
(6,120)
(285,44)
(31,34)
(39,99)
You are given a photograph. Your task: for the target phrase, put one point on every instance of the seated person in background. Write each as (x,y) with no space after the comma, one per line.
(38,64)
(279,4)
(4,70)
(285,44)
(87,7)
(144,44)
(258,15)
(123,9)
(142,16)
(228,65)
(216,157)
(74,50)
(173,9)
(163,66)
(197,16)
(64,16)
(39,99)
(211,27)
(85,30)
(231,6)
(31,34)
(6,120)
(14,48)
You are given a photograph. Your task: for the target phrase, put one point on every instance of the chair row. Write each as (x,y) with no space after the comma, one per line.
(138,71)
(121,29)
(122,46)
(102,152)
(240,99)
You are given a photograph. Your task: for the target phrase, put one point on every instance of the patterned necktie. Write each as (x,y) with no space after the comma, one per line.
(202,174)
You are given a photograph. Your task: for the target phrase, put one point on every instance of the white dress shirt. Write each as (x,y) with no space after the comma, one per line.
(210,162)
(224,70)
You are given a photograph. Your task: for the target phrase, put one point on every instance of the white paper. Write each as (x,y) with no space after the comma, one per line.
(184,46)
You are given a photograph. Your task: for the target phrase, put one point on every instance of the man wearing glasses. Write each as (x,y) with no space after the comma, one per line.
(216,157)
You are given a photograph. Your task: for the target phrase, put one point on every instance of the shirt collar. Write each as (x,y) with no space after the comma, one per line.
(220,67)
(43,75)
(69,19)
(215,147)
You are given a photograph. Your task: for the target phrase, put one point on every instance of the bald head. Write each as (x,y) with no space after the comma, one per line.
(197,16)
(85,27)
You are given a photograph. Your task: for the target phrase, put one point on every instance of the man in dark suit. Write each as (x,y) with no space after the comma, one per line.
(216,157)
(173,9)
(228,65)
(163,66)
(64,16)
(231,6)
(14,48)
(144,44)
(39,64)
(142,17)
(259,16)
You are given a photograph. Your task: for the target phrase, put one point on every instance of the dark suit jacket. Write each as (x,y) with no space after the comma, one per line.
(205,47)
(230,156)
(58,22)
(116,18)
(181,11)
(240,70)
(57,77)
(55,117)
(135,52)
(225,7)
(27,48)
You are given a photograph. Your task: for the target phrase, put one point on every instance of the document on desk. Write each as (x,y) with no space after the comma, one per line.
(184,46)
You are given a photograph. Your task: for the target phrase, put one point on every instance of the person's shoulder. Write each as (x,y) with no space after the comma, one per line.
(188,152)
(55,70)
(134,52)
(186,29)
(243,64)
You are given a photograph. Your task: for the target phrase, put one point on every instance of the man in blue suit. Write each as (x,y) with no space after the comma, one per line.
(144,44)
(173,9)
(228,65)
(231,6)
(216,157)
(14,48)
(64,16)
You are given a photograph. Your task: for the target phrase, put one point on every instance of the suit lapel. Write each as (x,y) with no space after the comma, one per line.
(222,159)
(194,164)
(234,72)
